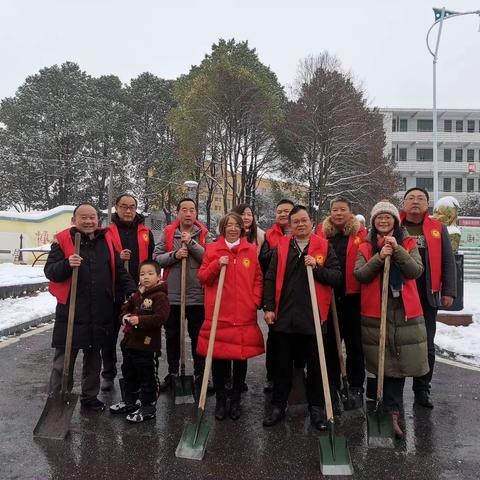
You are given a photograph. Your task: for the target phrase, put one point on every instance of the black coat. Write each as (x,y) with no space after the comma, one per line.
(93,326)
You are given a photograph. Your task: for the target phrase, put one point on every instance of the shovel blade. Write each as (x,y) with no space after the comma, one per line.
(183,390)
(193,443)
(380,430)
(54,423)
(335,460)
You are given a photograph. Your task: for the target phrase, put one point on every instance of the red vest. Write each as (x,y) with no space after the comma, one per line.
(273,236)
(318,248)
(371,292)
(432,231)
(143,239)
(61,290)
(170,233)
(352,285)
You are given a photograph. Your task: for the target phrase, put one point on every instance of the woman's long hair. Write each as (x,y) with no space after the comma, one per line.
(251,236)
(398,233)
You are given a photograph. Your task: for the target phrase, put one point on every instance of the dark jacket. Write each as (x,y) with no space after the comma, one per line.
(93,326)
(295,310)
(128,237)
(406,340)
(153,309)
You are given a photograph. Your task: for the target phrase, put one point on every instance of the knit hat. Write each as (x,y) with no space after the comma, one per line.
(384,207)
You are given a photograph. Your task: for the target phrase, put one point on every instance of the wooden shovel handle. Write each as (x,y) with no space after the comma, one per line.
(321,348)
(211,340)
(71,319)
(183,303)
(383,329)
(338,338)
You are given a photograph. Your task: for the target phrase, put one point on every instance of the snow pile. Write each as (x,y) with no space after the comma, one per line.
(11,274)
(449,202)
(14,311)
(36,214)
(464,342)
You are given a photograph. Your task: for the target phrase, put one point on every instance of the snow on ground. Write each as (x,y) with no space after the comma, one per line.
(464,342)
(11,274)
(14,311)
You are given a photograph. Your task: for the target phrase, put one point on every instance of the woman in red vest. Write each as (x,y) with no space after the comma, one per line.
(406,337)
(238,335)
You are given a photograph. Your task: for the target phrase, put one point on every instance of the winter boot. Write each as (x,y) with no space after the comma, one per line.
(123,407)
(144,412)
(235,407)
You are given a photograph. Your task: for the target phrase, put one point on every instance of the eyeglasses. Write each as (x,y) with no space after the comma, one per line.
(128,207)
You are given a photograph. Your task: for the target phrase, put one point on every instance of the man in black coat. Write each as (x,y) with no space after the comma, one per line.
(134,242)
(100,273)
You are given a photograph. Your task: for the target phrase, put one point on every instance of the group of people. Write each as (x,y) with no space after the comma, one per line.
(120,283)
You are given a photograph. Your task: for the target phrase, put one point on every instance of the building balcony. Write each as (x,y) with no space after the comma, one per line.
(446,138)
(443,167)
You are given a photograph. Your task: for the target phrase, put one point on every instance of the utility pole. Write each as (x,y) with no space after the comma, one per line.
(110,195)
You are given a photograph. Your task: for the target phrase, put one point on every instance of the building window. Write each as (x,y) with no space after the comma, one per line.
(459,155)
(470,155)
(424,155)
(447,154)
(459,126)
(424,125)
(458,184)
(426,183)
(403,124)
(447,125)
(447,184)
(394,125)
(470,184)
(402,154)
(393,154)
(471,126)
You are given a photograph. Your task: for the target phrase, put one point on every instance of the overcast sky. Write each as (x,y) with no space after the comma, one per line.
(381,41)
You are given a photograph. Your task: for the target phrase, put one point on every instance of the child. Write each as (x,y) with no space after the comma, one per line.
(142,316)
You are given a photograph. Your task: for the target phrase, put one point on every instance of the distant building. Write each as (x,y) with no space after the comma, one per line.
(409,143)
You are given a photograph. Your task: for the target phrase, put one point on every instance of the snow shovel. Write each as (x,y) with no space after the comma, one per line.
(379,424)
(54,423)
(334,454)
(193,443)
(347,401)
(183,384)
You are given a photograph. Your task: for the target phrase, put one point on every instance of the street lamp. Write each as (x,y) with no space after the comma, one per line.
(440,16)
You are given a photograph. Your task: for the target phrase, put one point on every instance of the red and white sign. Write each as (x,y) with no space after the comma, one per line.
(472,168)
(469,221)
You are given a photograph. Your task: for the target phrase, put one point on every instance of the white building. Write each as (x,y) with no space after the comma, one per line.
(409,142)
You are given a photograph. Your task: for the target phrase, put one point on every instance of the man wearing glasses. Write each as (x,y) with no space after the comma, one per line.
(437,285)
(134,242)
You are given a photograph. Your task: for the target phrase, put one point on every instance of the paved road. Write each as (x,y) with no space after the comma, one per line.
(441,444)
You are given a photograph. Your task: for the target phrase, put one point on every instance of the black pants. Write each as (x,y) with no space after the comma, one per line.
(221,372)
(195,316)
(140,373)
(109,352)
(348,310)
(393,393)
(92,363)
(269,355)
(288,344)
(430,314)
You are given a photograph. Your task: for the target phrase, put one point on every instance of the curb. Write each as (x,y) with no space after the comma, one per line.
(22,290)
(26,325)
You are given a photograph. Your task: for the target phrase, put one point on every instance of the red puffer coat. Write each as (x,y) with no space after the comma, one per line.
(238,335)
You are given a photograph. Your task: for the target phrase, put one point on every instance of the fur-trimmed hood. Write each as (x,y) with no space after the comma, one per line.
(352,227)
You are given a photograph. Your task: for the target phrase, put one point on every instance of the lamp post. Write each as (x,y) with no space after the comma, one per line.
(440,16)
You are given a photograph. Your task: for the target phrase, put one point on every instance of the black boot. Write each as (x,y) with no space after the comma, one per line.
(278,413)
(235,407)
(423,399)
(221,406)
(317,417)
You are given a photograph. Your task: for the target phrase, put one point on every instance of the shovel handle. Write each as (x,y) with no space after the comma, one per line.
(183,302)
(211,340)
(338,338)
(321,348)
(383,329)
(71,318)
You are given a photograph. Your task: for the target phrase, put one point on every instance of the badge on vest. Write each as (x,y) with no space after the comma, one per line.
(357,240)
(147,304)
(145,237)
(147,340)
(246,262)
(320,260)
(435,234)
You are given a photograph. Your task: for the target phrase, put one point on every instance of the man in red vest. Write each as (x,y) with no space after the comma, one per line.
(437,286)
(345,233)
(186,238)
(134,243)
(280,228)
(288,311)
(100,274)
